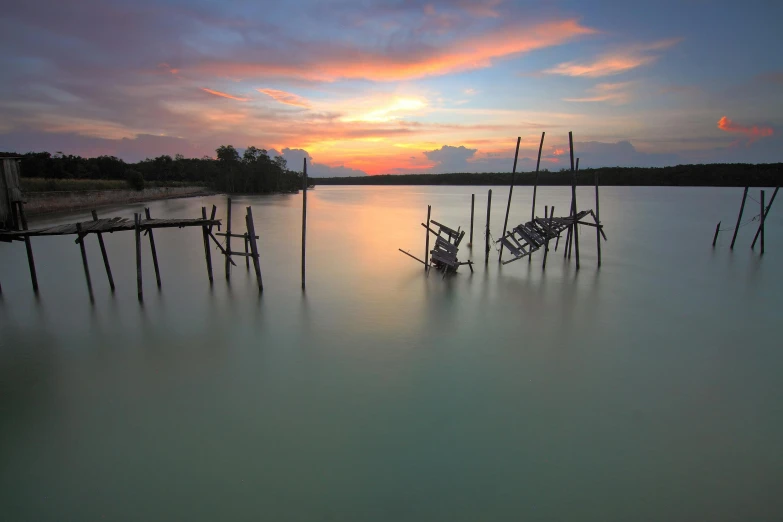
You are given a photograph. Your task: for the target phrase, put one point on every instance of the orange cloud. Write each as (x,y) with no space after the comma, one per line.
(224,95)
(390,65)
(753,132)
(287,98)
(558,152)
(615,62)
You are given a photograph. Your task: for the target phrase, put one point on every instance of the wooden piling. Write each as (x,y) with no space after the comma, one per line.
(549,225)
(575,233)
(251,238)
(104,254)
(152,247)
(137,228)
(228,240)
(771,200)
(427,241)
(205,233)
(597,220)
(80,240)
(247,258)
(486,232)
(472,204)
(510,193)
(28,247)
(304,218)
(715,237)
(535,182)
(761,227)
(739,218)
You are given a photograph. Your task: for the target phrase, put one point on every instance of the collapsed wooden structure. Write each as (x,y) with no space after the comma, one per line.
(140,226)
(443,256)
(761,217)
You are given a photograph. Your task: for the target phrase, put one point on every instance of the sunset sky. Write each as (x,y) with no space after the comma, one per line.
(396,86)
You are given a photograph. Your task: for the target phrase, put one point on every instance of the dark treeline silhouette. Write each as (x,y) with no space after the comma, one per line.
(253,172)
(714,175)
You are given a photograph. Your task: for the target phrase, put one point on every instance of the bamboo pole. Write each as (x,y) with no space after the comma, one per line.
(510,193)
(84,259)
(104,254)
(251,229)
(28,247)
(137,228)
(472,204)
(427,241)
(575,233)
(535,183)
(715,237)
(739,218)
(486,232)
(205,233)
(304,218)
(152,248)
(549,225)
(761,227)
(228,240)
(771,200)
(597,220)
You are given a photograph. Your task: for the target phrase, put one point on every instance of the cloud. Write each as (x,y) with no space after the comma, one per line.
(405,61)
(286,97)
(450,159)
(295,159)
(612,93)
(753,133)
(615,62)
(224,95)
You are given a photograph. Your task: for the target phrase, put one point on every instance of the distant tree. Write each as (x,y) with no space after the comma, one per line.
(135,179)
(227,154)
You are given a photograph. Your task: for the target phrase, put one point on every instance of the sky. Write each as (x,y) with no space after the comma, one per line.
(397,86)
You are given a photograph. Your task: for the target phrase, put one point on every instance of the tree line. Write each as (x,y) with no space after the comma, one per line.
(715,175)
(252,172)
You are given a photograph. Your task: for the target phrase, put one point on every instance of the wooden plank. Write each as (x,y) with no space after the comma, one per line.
(84,261)
(510,192)
(412,256)
(761,227)
(546,249)
(247,247)
(486,232)
(251,229)
(597,220)
(715,237)
(152,248)
(535,183)
(472,204)
(739,218)
(227,250)
(575,233)
(104,254)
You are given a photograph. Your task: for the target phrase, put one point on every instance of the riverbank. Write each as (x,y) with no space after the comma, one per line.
(38,203)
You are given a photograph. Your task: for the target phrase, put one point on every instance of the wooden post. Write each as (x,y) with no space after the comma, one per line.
(247,258)
(304,218)
(739,218)
(205,233)
(84,259)
(228,240)
(771,200)
(575,233)
(549,224)
(28,247)
(137,227)
(104,254)
(251,238)
(472,204)
(152,247)
(715,237)
(486,232)
(597,220)
(535,183)
(510,192)
(761,227)
(427,241)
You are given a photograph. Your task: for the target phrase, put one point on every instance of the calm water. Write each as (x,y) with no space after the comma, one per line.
(649,390)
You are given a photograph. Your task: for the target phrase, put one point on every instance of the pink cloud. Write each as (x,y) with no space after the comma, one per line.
(224,95)
(615,62)
(287,98)
(753,133)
